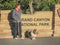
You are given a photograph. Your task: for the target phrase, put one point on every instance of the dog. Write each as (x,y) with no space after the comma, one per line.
(31,34)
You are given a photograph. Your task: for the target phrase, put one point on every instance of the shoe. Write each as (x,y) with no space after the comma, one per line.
(15,38)
(33,38)
(21,38)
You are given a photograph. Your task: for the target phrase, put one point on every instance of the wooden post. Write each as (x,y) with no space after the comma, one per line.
(53,21)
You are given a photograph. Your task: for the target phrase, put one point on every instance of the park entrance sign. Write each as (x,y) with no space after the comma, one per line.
(39,20)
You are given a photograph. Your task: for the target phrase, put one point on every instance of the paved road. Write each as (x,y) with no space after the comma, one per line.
(38,41)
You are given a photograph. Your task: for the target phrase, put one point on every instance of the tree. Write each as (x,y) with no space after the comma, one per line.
(27,3)
(30,5)
(38,5)
(7,4)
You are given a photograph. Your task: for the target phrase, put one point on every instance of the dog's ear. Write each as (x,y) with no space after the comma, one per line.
(34,30)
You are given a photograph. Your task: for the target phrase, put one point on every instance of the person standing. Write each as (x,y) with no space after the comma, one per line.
(16,19)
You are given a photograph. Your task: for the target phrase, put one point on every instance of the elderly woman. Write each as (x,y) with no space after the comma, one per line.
(16,19)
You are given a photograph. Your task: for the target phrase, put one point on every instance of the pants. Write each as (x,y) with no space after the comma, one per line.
(16,28)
